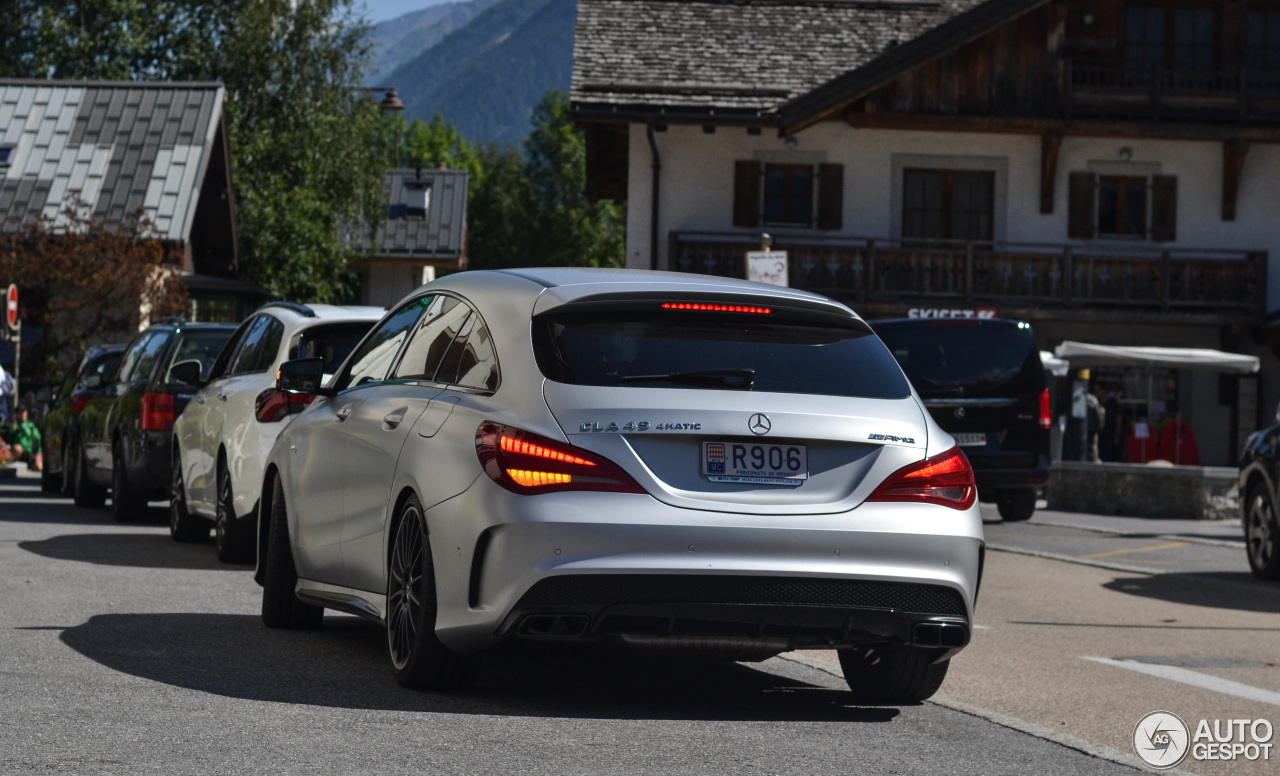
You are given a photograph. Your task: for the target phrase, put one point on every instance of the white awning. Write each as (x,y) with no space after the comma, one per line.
(1085,354)
(1054,365)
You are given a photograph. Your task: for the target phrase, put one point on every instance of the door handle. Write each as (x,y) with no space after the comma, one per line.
(343,414)
(393,420)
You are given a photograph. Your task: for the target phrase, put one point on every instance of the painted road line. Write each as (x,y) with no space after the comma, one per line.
(1233,544)
(1153,548)
(1101,564)
(1101,751)
(1195,679)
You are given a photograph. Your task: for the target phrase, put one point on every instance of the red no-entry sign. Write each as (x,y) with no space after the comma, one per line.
(11,303)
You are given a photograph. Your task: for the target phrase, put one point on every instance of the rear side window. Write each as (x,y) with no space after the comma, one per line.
(672,350)
(201,345)
(966,358)
(332,342)
(96,373)
(261,344)
(142,357)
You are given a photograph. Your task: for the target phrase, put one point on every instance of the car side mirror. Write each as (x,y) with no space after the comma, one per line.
(187,372)
(301,376)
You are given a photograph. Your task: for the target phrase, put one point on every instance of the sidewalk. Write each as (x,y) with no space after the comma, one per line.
(1199,531)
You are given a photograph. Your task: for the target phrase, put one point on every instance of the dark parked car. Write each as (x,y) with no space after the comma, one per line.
(58,428)
(982,380)
(126,433)
(1259,470)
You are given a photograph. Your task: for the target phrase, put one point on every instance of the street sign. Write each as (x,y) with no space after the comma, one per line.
(11,301)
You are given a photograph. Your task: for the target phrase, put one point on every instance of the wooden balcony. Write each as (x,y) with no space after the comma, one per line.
(1157,91)
(1226,284)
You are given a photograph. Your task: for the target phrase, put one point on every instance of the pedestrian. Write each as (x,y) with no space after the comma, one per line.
(1093,425)
(1111,430)
(24,440)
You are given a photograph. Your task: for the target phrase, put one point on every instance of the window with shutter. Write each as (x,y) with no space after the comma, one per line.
(746,193)
(1122,206)
(1081,206)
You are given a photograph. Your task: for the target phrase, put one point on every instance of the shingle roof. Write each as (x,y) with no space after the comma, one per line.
(123,146)
(437,233)
(734,55)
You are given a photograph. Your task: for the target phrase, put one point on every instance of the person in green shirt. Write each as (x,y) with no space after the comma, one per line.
(24,438)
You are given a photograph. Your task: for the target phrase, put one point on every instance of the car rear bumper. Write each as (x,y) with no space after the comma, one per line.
(627,568)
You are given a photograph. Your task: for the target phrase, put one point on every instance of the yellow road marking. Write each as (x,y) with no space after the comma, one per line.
(1168,546)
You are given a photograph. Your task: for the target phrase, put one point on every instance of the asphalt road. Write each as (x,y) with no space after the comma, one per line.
(124,653)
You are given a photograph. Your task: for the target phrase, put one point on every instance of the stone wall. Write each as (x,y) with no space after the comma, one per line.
(1137,490)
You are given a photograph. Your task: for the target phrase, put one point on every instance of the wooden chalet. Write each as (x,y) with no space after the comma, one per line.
(1102,169)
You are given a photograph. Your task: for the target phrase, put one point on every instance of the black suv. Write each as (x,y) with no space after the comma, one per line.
(983,382)
(126,433)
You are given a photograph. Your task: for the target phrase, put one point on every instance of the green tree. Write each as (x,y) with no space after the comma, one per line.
(534,210)
(430,145)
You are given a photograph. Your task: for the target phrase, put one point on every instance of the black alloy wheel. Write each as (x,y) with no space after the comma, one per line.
(281,608)
(1261,533)
(884,675)
(183,526)
(126,505)
(230,539)
(418,659)
(85,493)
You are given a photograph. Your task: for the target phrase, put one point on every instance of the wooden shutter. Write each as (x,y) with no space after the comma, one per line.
(830,196)
(746,193)
(1082,208)
(1164,208)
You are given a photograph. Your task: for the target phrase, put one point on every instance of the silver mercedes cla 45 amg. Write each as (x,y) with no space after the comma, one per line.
(653,461)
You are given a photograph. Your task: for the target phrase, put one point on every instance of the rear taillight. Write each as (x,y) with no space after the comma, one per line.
(78,402)
(946,480)
(272,405)
(157,412)
(1046,418)
(528,464)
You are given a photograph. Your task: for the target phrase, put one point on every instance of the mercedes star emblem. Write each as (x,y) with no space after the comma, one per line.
(759,424)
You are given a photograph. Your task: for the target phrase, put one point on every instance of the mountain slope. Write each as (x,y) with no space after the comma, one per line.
(399,40)
(488,76)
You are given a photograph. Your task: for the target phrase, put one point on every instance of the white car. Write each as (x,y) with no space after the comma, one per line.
(663,462)
(223,436)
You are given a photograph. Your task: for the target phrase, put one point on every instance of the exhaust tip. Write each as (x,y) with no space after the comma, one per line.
(553,625)
(939,634)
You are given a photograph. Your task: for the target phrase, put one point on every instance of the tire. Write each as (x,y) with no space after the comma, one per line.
(84,493)
(892,675)
(1016,505)
(1262,533)
(183,526)
(126,506)
(280,607)
(68,466)
(231,539)
(418,659)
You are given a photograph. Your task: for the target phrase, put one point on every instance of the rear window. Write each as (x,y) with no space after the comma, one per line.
(332,342)
(648,350)
(965,358)
(201,345)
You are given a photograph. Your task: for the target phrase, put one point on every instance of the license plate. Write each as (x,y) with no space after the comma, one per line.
(755,464)
(971,440)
